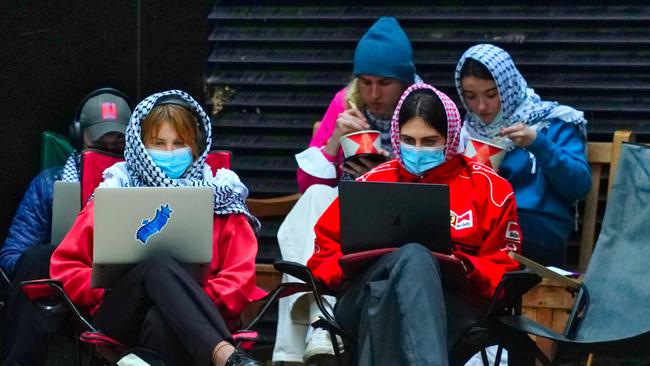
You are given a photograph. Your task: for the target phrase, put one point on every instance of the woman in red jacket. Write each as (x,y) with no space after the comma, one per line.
(158,304)
(398,308)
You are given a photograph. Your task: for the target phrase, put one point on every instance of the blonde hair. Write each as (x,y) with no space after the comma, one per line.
(183,121)
(353,96)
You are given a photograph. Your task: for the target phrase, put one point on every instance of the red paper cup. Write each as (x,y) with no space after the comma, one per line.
(485,153)
(361,143)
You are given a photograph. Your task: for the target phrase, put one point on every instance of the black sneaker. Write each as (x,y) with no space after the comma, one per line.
(239,358)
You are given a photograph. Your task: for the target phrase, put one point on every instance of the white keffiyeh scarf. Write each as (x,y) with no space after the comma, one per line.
(518,102)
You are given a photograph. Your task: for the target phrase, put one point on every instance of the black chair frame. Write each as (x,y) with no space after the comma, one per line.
(506,300)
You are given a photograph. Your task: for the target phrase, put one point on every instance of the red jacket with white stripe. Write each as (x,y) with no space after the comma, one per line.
(483,221)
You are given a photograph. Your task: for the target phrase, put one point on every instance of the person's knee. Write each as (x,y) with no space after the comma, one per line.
(415,257)
(414,250)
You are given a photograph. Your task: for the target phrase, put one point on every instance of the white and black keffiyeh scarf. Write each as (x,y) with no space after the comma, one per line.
(229,194)
(518,102)
(71,168)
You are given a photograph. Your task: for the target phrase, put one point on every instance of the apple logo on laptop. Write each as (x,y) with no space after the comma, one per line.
(156,225)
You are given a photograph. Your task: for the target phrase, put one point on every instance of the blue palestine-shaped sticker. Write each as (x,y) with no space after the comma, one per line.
(150,228)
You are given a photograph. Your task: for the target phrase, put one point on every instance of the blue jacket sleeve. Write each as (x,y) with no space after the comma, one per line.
(33,220)
(561,153)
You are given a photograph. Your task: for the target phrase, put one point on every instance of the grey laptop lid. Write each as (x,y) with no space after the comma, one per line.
(378,215)
(132,224)
(65,208)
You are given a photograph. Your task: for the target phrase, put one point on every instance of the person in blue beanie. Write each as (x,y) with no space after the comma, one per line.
(383,69)
(545,142)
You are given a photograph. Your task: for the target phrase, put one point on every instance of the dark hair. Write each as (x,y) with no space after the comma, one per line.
(471,67)
(424,103)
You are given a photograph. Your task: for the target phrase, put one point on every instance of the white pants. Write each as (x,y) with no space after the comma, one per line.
(296,240)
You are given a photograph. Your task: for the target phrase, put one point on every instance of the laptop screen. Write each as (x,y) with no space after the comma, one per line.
(377,215)
(65,208)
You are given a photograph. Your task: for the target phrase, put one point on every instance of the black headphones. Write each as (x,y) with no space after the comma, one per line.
(75,131)
(174,100)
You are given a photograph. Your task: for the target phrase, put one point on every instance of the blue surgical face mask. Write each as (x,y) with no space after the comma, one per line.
(173,163)
(418,160)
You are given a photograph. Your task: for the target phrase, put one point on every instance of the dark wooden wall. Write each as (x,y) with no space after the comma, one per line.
(52,53)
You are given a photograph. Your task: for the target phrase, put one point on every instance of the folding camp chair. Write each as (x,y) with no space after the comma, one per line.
(51,300)
(506,300)
(610,315)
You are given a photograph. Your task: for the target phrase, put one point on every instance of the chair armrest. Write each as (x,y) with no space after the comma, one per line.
(294,269)
(43,288)
(304,274)
(511,288)
(542,271)
(37,289)
(301,272)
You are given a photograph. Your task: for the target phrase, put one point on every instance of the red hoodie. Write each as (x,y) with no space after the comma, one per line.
(483,221)
(230,284)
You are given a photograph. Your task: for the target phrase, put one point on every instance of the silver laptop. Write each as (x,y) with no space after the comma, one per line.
(66,204)
(132,224)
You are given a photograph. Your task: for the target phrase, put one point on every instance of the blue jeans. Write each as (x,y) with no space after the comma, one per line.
(401,312)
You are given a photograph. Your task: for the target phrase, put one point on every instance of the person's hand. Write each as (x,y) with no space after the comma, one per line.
(520,134)
(362,165)
(351,120)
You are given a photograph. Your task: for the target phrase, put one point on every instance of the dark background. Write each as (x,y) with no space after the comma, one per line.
(52,53)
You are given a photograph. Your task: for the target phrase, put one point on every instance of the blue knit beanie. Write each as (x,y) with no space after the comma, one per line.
(385,50)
